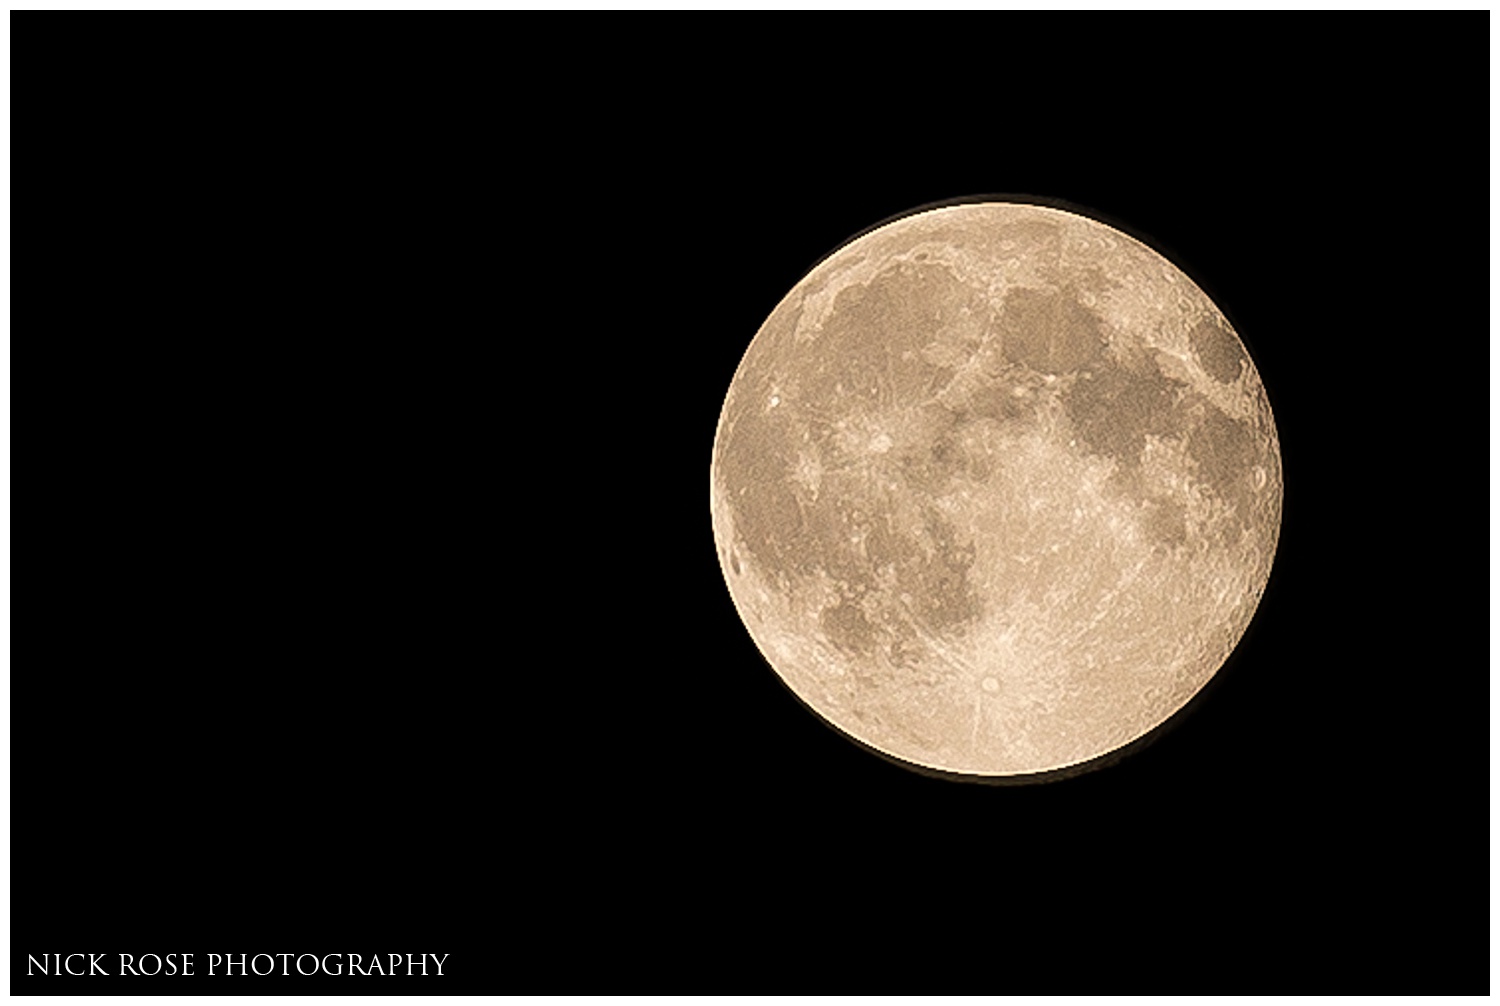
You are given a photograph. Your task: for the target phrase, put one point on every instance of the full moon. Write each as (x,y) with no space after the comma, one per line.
(996,489)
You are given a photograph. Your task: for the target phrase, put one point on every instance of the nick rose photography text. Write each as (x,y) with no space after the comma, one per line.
(237,965)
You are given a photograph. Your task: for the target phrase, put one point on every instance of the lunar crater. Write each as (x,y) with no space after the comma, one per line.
(998,488)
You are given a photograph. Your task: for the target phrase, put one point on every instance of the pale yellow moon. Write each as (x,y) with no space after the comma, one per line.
(996,489)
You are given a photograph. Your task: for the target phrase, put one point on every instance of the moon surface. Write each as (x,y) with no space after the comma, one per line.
(996,489)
